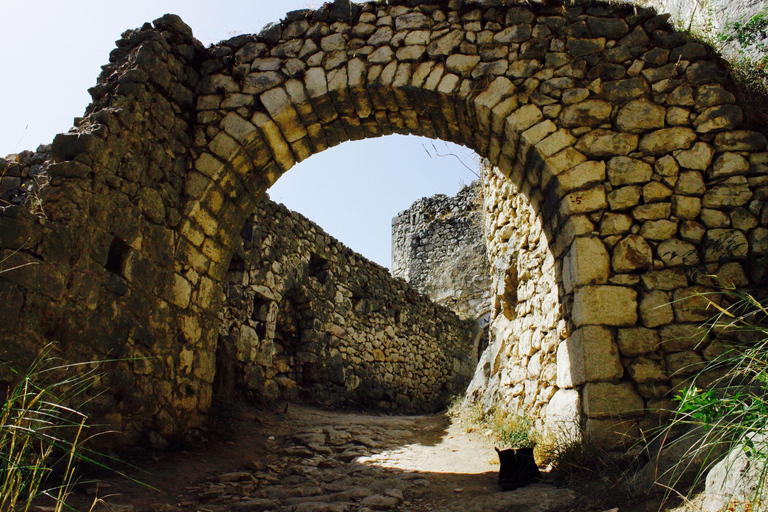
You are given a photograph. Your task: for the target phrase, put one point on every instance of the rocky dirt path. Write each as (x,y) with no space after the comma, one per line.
(311,460)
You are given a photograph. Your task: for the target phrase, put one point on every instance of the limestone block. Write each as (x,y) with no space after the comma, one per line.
(588,355)
(280,108)
(602,143)
(579,173)
(690,183)
(731,193)
(694,304)
(462,64)
(256,83)
(274,137)
(655,309)
(666,166)
(682,95)
(417,37)
(381,55)
(731,275)
(514,34)
(655,192)
(583,201)
(674,253)
(523,118)
(587,262)
(640,115)
(668,279)
(667,140)
(740,140)
(209,165)
(242,130)
(686,207)
(638,341)
(678,116)
(446,44)
(621,91)
(743,220)
(684,363)
(698,157)
(758,241)
(576,95)
(536,133)
(615,224)
(719,118)
(724,244)
(658,230)
(605,400)
(563,417)
(383,35)
(498,90)
(181,292)
(612,434)
(624,197)
(729,164)
(644,370)
(587,113)
(630,254)
(604,305)
(654,211)
(555,142)
(623,170)
(714,218)
(680,337)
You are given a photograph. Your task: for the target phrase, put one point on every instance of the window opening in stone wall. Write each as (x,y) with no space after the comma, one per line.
(318,268)
(118,253)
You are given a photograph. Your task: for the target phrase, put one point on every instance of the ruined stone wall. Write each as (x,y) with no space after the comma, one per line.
(622,135)
(439,248)
(307,318)
(591,334)
(92,262)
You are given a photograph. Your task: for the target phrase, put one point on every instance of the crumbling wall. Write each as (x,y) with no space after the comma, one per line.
(439,248)
(307,318)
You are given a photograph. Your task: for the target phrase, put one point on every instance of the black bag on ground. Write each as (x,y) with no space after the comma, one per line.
(517,468)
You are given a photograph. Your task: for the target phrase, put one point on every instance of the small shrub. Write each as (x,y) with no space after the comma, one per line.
(513,430)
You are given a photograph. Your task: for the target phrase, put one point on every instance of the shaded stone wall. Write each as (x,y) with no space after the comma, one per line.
(438,247)
(307,318)
(623,136)
(100,247)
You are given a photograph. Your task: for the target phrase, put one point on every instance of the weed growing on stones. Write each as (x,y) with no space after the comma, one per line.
(724,406)
(40,431)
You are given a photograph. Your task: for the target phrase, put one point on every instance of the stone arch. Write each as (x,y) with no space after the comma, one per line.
(620,135)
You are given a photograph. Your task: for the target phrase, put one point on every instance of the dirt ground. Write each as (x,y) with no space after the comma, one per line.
(306,459)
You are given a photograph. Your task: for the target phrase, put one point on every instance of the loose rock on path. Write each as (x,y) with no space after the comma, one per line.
(311,460)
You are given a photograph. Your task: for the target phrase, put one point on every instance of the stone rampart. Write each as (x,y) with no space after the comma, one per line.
(439,248)
(307,318)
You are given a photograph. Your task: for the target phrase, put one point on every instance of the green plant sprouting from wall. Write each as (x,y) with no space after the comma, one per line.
(730,409)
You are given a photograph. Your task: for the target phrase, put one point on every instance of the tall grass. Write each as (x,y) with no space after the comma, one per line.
(39,431)
(725,404)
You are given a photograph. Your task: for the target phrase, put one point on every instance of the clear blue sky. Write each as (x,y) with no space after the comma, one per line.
(51,52)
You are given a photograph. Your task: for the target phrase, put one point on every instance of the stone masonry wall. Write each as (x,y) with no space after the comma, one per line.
(439,248)
(307,318)
(623,136)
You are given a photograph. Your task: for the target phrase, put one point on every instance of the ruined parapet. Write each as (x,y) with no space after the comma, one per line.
(309,319)
(438,247)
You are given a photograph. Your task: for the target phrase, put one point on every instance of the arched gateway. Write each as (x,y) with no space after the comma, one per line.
(623,180)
